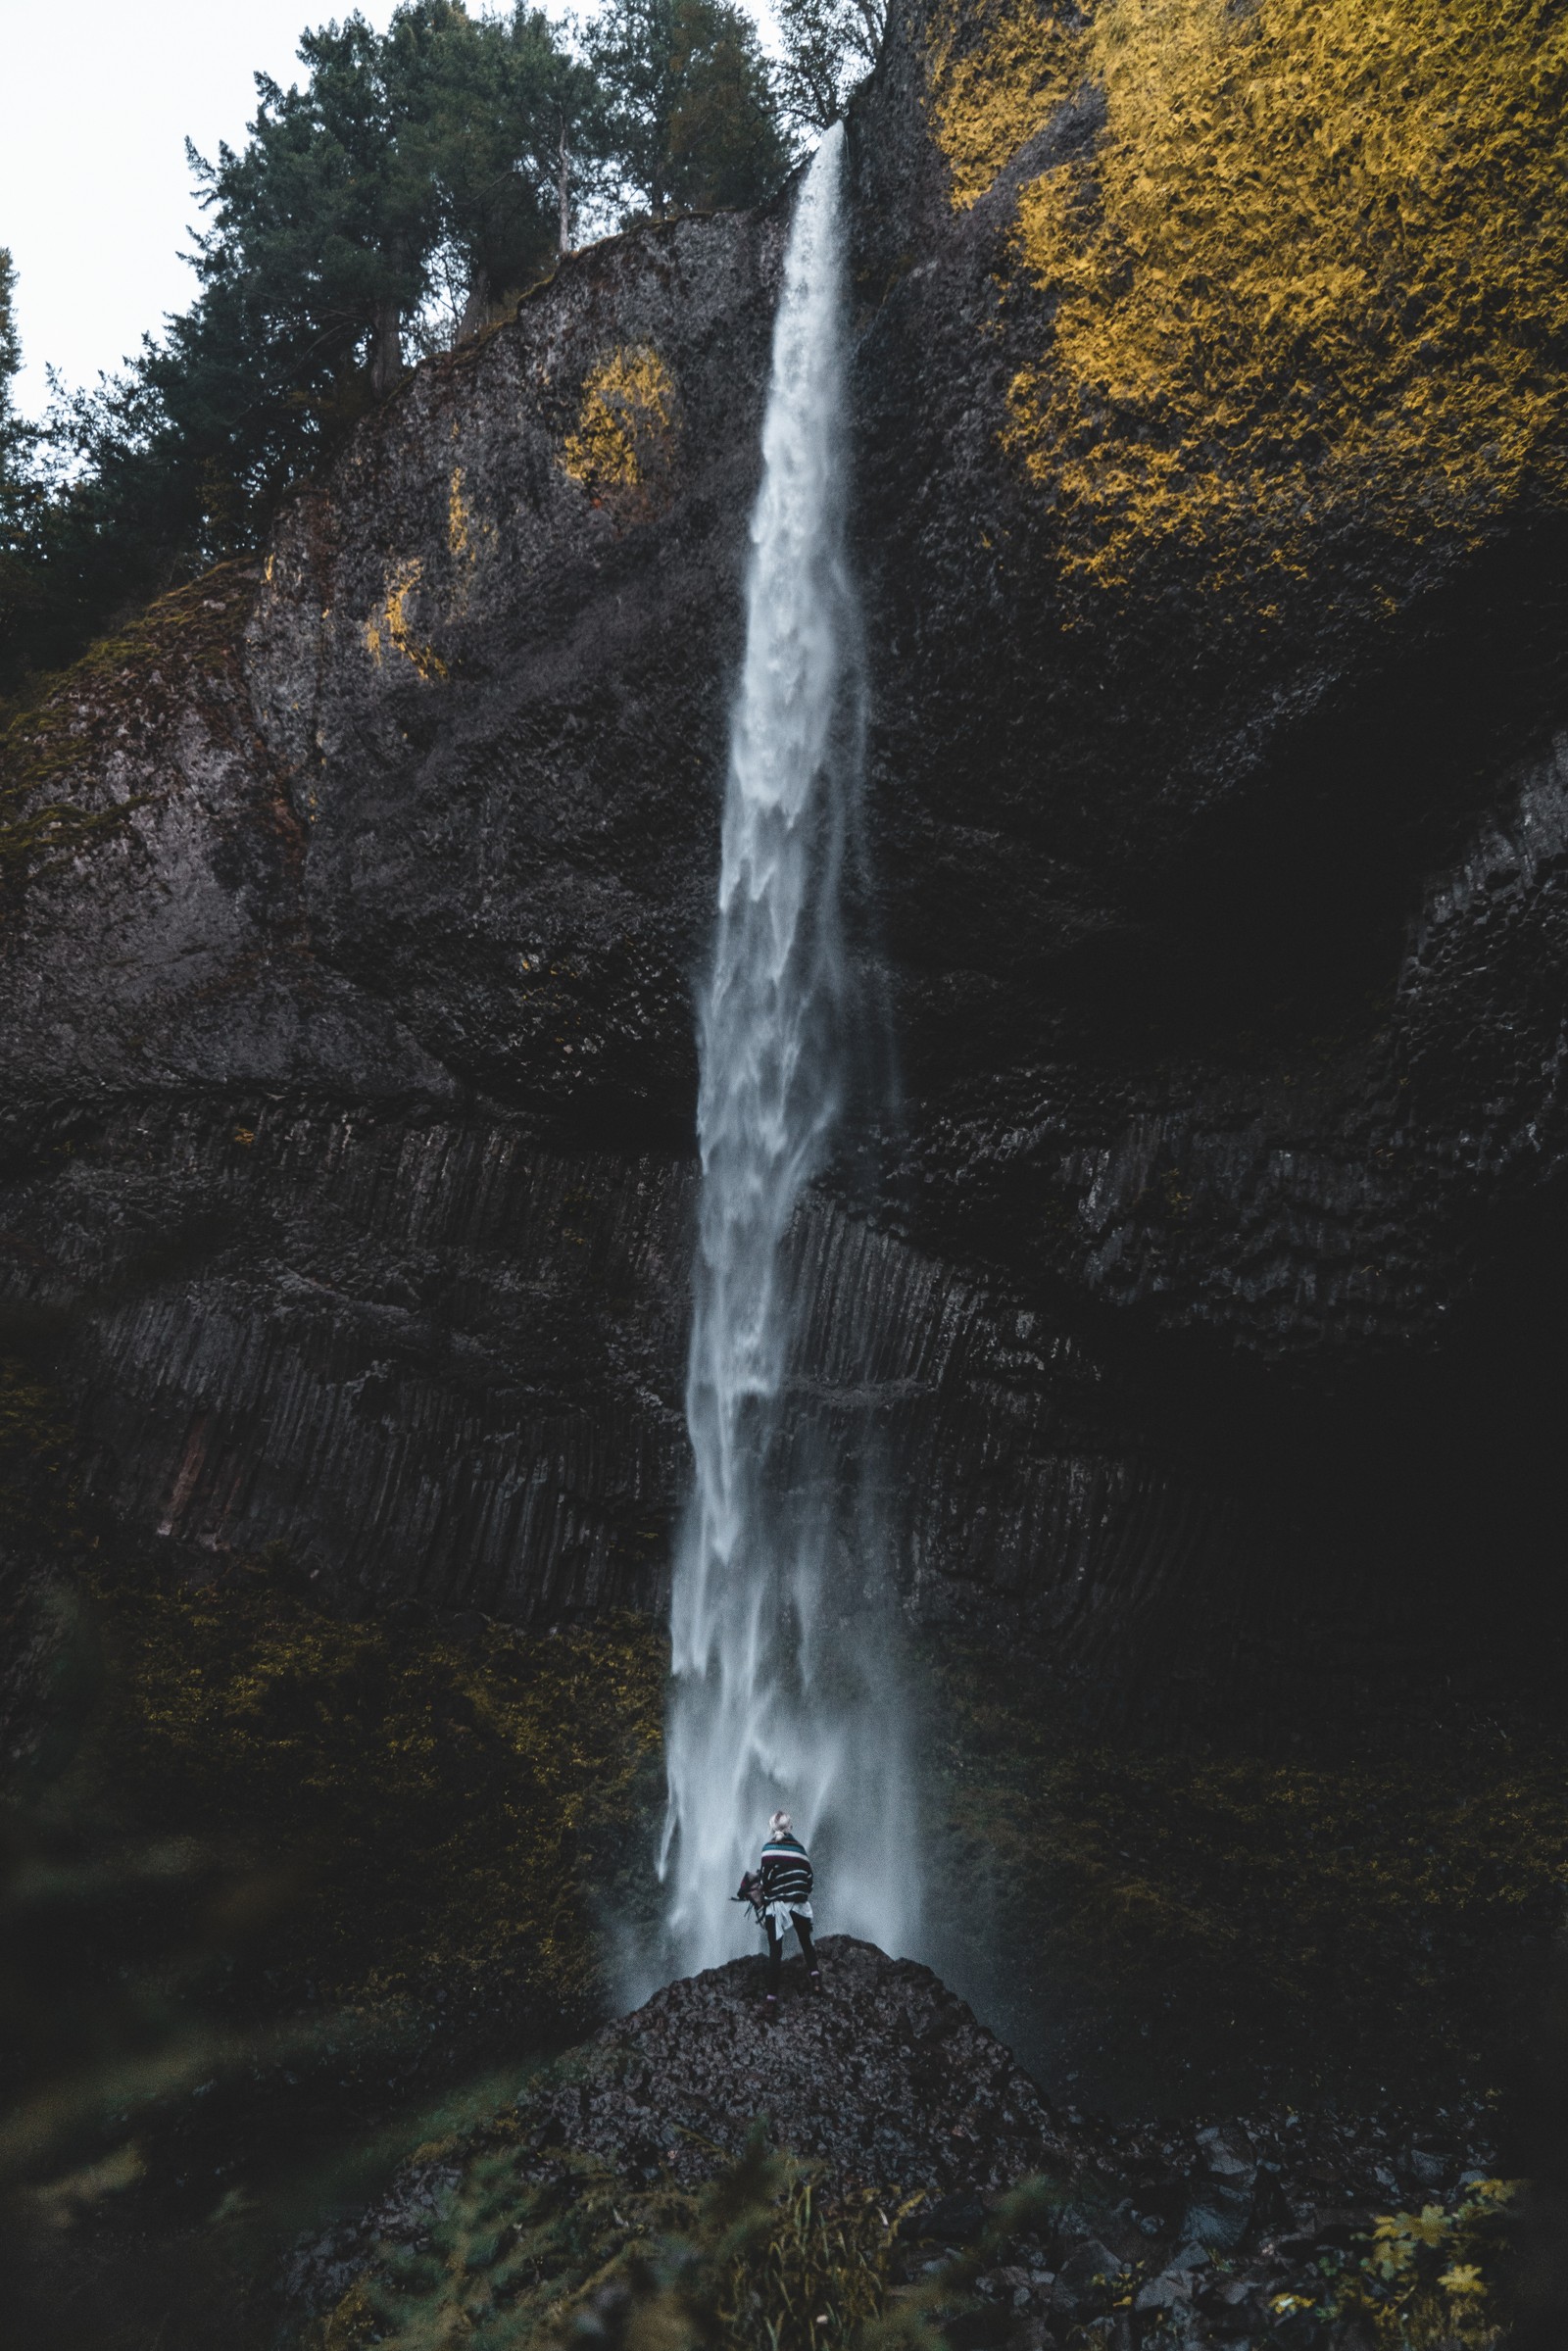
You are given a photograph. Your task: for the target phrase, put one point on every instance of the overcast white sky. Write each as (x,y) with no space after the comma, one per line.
(97,98)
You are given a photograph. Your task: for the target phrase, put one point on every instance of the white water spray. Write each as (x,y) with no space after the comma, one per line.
(780,1655)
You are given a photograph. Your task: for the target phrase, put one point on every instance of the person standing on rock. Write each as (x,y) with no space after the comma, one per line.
(779,1890)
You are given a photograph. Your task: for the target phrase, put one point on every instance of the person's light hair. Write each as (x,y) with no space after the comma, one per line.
(780,1825)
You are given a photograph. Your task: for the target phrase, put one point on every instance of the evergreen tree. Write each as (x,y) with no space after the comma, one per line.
(406,188)
(323,223)
(18,583)
(438,141)
(518,135)
(829,45)
(10,349)
(38,619)
(693,116)
(432,154)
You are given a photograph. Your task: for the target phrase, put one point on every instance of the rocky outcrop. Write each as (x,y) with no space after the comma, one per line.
(1213,858)
(883,2076)
(884,2082)
(1219,921)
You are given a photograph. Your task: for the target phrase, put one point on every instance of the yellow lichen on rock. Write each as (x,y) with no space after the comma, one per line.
(994,75)
(459,535)
(1317,265)
(392,623)
(471,539)
(627,430)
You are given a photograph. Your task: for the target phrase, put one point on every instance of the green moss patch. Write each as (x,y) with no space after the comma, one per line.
(456,1815)
(1182,1929)
(119,693)
(34,1451)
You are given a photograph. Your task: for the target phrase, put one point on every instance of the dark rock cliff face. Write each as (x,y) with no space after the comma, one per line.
(349,1081)
(1227,932)
(1214,1278)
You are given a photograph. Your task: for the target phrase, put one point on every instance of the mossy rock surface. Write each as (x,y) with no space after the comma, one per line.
(1309,275)
(115,705)
(1366,1920)
(459,1811)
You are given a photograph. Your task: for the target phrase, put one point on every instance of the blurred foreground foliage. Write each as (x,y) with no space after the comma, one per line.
(270,1880)
(770,2254)
(453,1812)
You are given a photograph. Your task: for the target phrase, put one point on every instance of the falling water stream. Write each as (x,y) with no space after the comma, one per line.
(781,1649)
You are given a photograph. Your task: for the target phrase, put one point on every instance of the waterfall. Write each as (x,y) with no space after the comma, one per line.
(781,1649)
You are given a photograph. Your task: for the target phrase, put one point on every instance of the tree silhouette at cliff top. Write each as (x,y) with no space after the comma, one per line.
(18,588)
(829,46)
(438,140)
(411,186)
(693,118)
(402,191)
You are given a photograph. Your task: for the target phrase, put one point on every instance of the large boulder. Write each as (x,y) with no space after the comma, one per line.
(883,2075)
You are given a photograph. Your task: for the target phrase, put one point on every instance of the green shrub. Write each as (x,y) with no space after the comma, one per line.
(1426,2282)
(771,2255)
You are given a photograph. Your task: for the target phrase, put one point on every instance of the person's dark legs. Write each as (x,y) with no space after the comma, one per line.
(775,1957)
(802,1929)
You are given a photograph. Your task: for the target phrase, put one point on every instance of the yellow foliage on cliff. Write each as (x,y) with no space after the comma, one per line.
(1315,266)
(624,443)
(996,72)
(393,622)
